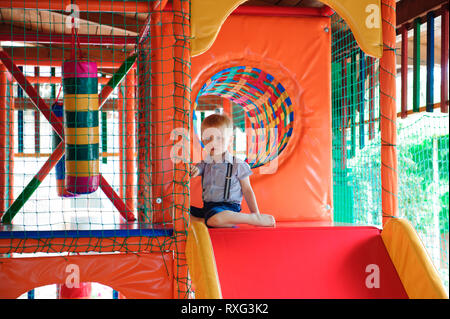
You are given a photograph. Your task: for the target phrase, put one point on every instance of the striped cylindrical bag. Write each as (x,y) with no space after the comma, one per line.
(81,131)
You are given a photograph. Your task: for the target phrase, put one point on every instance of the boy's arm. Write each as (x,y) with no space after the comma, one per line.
(249,195)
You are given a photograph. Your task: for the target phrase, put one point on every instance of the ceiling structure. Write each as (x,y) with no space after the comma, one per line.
(20,21)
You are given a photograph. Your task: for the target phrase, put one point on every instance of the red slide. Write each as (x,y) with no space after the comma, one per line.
(304,262)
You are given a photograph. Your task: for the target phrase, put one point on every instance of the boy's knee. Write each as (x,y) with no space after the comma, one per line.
(215,221)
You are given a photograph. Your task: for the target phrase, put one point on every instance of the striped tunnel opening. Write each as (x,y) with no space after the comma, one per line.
(261,109)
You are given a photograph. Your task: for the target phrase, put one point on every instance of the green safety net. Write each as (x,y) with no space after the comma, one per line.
(356,146)
(136,60)
(423,168)
(134,146)
(422,150)
(355,130)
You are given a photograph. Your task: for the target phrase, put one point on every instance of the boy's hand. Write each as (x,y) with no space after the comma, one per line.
(194,171)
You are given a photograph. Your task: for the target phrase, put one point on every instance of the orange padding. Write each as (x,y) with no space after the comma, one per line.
(414,267)
(302,173)
(143,275)
(201,262)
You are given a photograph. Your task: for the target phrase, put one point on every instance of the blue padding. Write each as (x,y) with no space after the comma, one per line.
(280,88)
(106,233)
(60,168)
(288,103)
(57,108)
(289,133)
(430,62)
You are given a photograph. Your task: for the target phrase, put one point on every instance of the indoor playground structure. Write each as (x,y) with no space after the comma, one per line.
(340,108)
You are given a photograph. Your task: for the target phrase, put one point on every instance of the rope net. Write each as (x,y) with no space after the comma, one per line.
(422,149)
(94,133)
(356,130)
(90,97)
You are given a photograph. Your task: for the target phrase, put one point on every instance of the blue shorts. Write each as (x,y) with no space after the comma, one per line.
(211,208)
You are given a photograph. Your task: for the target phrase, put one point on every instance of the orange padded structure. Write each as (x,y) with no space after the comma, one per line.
(297,53)
(142,275)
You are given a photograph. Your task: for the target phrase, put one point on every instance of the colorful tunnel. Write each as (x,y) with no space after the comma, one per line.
(266,104)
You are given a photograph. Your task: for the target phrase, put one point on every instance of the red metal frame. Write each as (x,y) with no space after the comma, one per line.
(444,60)
(404,71)
(55,79)
(37,118)
(388,114)
(272,11)
(182,74)
(123,209)
(29,37)
(120,111)
(83,5)
(47,61)
(130,99)
(158,7)
(283,11)
(11,144)
(32,94)
(371,98)
(407,11)
(145,6)
(344,121)
(51,162)
(126,140)
(3,121)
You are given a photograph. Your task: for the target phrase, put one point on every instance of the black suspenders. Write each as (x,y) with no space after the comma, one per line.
(226,192)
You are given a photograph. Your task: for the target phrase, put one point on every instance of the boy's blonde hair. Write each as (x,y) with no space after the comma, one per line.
(217,120)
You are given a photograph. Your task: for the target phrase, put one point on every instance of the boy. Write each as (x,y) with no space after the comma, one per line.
(225,179)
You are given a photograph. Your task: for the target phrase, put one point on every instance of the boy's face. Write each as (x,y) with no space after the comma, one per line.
(216,139)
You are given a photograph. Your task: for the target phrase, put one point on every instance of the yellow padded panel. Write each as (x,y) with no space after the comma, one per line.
(202,263)
(363,17)
(207,17)
(414,267)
